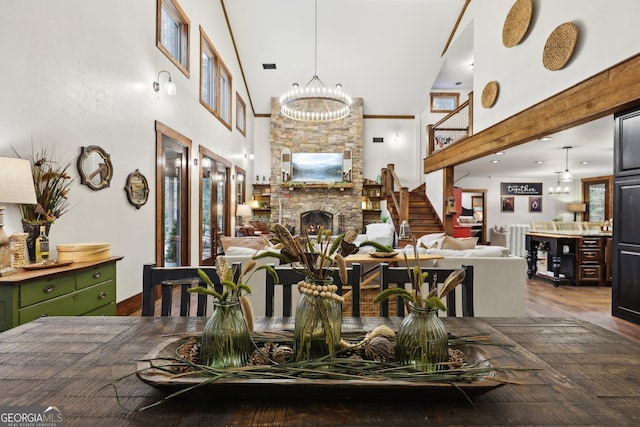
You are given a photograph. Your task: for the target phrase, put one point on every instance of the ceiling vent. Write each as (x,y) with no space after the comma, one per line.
(268,66)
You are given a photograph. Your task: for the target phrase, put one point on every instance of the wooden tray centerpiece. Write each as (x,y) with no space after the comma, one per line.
(339,378)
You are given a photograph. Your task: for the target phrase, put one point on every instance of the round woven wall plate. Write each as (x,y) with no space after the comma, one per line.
(516,23)
(559,46)
(489,94)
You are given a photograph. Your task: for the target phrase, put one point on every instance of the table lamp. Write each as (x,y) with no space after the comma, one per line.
(242,211)
(575,208)
(16,186)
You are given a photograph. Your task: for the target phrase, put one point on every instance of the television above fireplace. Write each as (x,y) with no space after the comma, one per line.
(316,167)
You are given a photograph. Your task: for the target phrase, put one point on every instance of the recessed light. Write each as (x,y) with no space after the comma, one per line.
(539,162)
(269,66)
(585,162)
(545,138)
(495,161)
(499,153)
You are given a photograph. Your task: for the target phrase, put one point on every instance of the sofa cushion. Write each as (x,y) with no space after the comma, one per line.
(477,252)
(255,243)
(431,241)
(460,243)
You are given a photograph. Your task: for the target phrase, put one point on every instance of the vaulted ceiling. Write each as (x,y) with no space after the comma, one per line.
(388,52)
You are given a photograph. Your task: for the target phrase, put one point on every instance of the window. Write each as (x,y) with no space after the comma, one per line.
(241,115)
(215,82)
(444,102)
(172,33)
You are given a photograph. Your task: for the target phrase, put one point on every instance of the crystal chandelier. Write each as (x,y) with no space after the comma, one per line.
(315,102)
(558,189)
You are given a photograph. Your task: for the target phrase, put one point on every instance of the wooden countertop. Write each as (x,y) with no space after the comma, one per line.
(24,274)
(584,375)
(569,234)
(362,258)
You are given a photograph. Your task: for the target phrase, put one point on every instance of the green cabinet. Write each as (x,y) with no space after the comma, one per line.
(80,289)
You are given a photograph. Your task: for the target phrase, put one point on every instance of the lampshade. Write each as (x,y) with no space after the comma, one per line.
(243,210)
(16,186)
(16,181)
(576,207)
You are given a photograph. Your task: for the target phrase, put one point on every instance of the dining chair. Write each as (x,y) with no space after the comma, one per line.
(399,276)
(288,277)
(170,277)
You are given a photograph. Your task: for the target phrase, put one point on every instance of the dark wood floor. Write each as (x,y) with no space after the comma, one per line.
(590,303)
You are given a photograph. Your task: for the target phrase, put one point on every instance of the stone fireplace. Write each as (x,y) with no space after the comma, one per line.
(343,205)
(312,221)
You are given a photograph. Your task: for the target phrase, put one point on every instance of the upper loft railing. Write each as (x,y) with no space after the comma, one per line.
(455,127)
(390,181)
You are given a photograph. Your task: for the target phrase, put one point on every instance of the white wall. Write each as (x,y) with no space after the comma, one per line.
(77,74)
(553,206)
(607,34)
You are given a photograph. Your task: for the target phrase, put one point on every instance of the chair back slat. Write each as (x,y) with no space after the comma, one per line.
(185,278)
(399,276)
(289,277)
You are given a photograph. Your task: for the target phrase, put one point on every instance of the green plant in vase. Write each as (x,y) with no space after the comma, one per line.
(226,338)
(422,337)
(52,183)
(318,318)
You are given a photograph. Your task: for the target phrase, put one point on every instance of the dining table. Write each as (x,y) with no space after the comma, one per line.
(560,371)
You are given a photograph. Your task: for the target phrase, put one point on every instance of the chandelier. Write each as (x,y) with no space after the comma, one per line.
(315,102)
(558,189)
(566,176)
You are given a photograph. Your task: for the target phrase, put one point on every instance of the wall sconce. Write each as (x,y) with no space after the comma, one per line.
(171,86)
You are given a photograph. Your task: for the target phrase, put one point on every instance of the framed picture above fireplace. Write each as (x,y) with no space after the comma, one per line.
(316,167)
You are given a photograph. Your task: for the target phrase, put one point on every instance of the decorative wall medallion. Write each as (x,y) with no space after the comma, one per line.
(137,189)
(94,167)
(516,23)
(559,46)
(490,94)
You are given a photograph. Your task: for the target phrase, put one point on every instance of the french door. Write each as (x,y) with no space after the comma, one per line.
(172,197)
(215,204)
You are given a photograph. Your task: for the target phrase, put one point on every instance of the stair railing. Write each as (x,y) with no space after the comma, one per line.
(389,182)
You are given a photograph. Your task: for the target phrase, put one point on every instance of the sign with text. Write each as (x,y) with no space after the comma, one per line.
(521,188)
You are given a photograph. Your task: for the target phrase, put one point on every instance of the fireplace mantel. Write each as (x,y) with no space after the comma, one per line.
(328,185)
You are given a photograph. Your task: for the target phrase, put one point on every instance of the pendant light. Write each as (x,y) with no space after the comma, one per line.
(558,189)
(566,176)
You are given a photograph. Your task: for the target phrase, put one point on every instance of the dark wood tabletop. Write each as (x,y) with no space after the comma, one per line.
(585,375)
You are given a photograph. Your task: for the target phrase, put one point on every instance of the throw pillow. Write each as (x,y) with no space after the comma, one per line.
(256,243)
(459,244)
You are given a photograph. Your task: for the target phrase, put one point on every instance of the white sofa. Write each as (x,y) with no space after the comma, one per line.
(499,278)
(499,282)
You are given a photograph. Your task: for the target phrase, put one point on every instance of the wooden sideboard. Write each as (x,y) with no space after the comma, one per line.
(78,289)
(574,257)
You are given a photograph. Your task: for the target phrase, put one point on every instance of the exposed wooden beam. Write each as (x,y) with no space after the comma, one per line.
(455,27)
(613,90)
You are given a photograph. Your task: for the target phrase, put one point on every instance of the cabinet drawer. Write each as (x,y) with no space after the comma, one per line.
(590,256)
(589,273)
(98,274)
(46,289)
(591,243)
(73,304)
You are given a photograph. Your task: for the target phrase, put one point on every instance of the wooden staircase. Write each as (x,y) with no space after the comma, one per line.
(423,218)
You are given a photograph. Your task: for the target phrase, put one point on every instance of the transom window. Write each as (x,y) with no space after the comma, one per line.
(241,115)
(172,33)
(215,82)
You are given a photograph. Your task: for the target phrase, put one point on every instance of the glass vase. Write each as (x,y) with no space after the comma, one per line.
(226,341)
(318,324)
(422,340)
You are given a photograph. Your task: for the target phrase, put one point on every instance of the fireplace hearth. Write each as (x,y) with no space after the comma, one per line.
(312,221)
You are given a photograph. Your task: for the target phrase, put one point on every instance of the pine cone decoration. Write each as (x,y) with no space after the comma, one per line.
(379,349)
